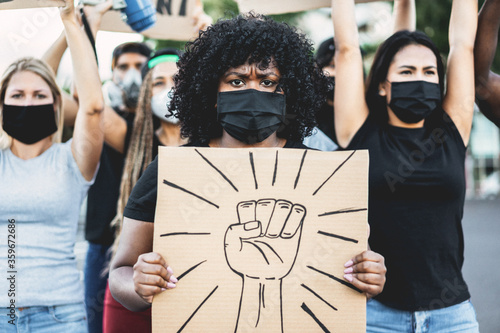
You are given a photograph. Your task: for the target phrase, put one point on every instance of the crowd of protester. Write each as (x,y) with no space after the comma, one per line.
(411,112)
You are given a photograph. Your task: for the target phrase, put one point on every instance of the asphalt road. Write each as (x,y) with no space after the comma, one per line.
(482,260)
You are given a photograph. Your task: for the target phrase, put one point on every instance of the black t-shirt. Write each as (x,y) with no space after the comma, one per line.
(326,121)
(103,194)
(141,204)
(416,199)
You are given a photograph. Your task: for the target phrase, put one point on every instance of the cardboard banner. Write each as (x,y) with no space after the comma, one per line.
(258,239)
(21,4)
(174,21)
(284,6)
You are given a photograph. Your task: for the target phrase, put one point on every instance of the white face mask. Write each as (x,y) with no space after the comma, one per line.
(125,93)
(159,105)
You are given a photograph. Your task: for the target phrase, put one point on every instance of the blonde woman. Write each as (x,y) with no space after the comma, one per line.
(43,185)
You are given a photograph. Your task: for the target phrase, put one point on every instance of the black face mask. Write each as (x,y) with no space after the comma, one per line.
(250,115)
(29,124)
(413,101)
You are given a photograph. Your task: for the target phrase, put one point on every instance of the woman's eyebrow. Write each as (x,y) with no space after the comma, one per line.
(236,73)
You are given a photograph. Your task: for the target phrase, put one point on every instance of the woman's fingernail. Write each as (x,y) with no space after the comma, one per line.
(349,263)
(348,277)
(163,289)
(348,270)
(170,270)
(170,285)
(173,279)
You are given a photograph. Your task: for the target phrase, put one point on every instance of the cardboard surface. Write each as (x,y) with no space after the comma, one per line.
(20,4)
(284,6)
(287,269)
(172,23)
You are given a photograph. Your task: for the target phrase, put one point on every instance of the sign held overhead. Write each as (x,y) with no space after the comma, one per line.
(173,20)
(284,6)
(22,4)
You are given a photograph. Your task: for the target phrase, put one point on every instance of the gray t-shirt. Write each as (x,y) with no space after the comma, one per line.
(43,195)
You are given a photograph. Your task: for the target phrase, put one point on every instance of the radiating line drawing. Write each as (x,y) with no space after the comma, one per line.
(313,316)
(185,234)
(336,279)
(166,182)
(190,269)
(253,170)
(218,170)
(318,296)
(263,246)
(344,211)
(347,239)
(275,168)
(199,306)
(300,169)
(337,169)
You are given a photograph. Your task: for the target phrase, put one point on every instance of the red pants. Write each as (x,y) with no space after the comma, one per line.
(117,319)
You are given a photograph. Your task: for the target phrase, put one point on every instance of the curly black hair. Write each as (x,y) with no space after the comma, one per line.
(252,39)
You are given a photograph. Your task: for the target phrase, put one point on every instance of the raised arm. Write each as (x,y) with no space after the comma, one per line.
(459,100)
(487,82)
(349,102)
(404,15)
(87,135)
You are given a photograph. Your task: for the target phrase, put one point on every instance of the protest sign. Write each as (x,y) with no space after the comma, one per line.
(21,4)
(258,239)
(174,20)
(284,6)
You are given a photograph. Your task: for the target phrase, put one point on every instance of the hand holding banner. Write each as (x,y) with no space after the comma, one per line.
(174,20)
(20,4)
(284,6)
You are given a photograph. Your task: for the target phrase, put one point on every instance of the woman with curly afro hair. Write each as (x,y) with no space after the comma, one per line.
(251,44)
(244,82)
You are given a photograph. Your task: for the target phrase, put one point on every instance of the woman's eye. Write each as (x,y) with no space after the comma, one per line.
(405,72)
(158,84)
(41,96)
(236,82)
(16,96)
(430,73)
(268,83)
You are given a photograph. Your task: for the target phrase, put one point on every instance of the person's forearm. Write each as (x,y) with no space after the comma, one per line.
(55,53)
(486,41)
(85,71)
(463,24)
(344,25)
(121,285)
(404,15)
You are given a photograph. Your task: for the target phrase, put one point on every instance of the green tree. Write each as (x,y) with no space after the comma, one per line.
(433,18)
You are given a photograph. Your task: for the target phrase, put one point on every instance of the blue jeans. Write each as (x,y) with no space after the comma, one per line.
(44,319)
(460,318)
(95,284)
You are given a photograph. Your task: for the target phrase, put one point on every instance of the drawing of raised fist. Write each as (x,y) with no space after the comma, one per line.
(264,244)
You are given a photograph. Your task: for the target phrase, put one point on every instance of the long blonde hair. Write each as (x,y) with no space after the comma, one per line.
(40,68)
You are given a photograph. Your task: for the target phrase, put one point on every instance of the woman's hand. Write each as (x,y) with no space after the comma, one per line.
(366,272)
(152,275)
(201,20)
(95,14)
(68,11)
